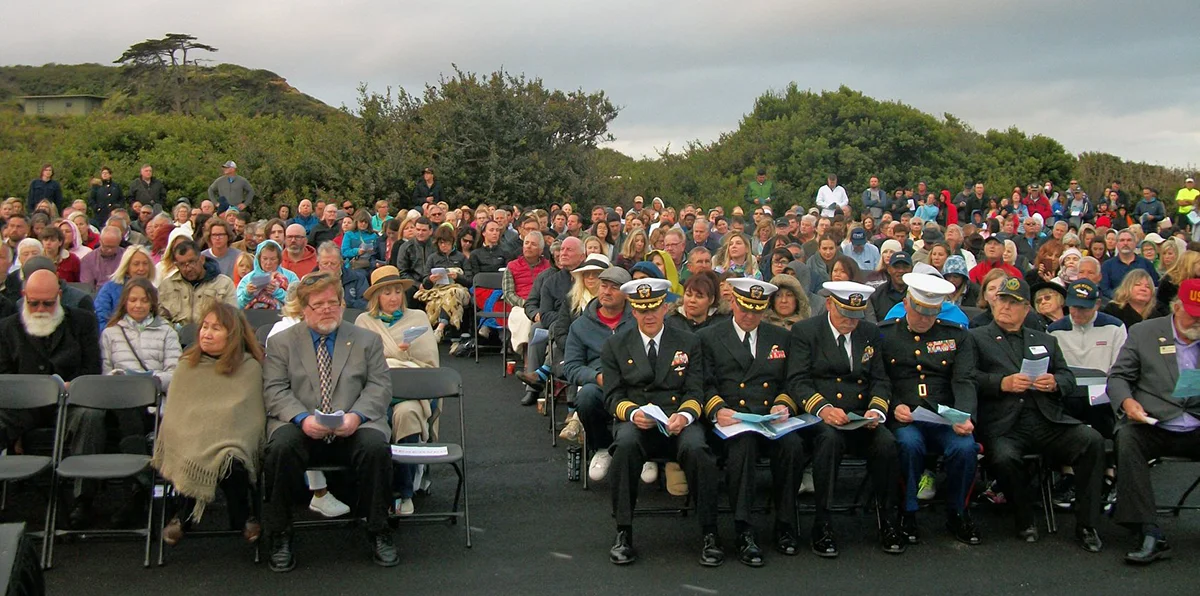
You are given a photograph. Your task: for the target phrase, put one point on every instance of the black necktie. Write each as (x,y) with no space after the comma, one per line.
(842,346)
(652,355)
(746,344)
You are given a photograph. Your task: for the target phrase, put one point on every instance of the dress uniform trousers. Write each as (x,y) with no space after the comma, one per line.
(878,446)
(787,456)
(959,453)
(632,447)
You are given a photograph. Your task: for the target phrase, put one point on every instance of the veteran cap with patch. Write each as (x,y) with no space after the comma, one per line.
(926,292)
(752,294)
(647,293)
(1083,294)
(1015,288)
(849,297)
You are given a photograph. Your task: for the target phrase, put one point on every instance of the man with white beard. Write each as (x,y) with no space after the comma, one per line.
(46,338)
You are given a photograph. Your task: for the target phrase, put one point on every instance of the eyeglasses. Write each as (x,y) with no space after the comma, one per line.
(324,306)
(40,303)
(1044,298)
(296,237)
(314,277)
(221,235)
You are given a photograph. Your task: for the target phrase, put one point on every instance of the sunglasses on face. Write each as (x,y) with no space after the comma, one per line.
(41,303)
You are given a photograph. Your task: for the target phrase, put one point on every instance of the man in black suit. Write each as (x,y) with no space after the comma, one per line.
(745,366)
(657,369)
(1019,415)
(835,372)
(1152,421)
(929,362)
(47,338)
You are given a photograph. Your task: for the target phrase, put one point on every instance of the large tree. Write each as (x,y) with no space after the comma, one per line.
(163,65)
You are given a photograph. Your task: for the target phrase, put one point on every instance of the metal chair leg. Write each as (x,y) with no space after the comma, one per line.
(1182,499)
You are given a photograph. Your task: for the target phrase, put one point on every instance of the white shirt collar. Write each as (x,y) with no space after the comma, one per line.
(657,339)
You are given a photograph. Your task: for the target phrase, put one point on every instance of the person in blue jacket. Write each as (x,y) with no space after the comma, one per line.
(266,286)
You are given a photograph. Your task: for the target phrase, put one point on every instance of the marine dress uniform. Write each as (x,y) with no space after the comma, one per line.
(666,370)
(931,366)
(746,371)
(831,373)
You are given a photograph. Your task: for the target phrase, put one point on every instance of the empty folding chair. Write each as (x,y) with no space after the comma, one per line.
(28,392)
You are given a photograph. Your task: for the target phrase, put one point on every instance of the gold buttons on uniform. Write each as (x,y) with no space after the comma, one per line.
(860,381)
(839,396)
(893,360)
(741,402)
(742,385)
(765,403)
(859,396)
(839,379)
(918,367)
(922,377)
(943,363)
(765,385)
(672,398)
(631,362)
(916,338)
(917,352)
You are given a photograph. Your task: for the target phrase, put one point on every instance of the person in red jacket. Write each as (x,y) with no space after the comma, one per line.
(1037,202)
(993,258)
(66,263)
(949,211)
(518,281)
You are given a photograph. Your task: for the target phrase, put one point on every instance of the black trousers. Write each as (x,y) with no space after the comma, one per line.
(1077,445)
(86,434)
(877,445)
(236,486)
(1137,444)
(631,448)
(787,456)
(290,452)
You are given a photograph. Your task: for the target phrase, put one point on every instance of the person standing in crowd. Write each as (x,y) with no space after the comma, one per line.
(745,362)
(648,365)
(230,189)
(212,437)
(930,362)
(48,338)
(1152,421)
(190,290)
(428,189)
(1019,415)
(104,196)
(148,190)
(389,317)
(1149,211)
(875,199)
(98,266)
(835,371)
(1113,271)
(761,191)
(44,188)
(831,197)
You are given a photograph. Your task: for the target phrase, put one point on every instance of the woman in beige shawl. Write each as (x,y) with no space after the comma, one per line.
(388,317)
(214,423)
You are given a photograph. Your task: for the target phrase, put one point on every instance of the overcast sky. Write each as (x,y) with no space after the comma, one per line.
(1098,75)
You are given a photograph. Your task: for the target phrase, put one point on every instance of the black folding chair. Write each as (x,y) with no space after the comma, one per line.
(28,392)
(261,334)
(1179,505)
(350,314)
(86,288)
(187,335)
(101,392)
(490,281)
(257,317)
(440,384)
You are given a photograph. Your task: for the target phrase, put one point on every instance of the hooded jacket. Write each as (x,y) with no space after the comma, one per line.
(182,301)
(281,277)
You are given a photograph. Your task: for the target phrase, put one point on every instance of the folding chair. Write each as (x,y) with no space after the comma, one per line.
(350,314)
(163,490)
(28,392)
(1045,480)
(102,393)
(440,384)
(1179,505)
(187,335)
(86,288)
(257,317)
(490,281)
(261,334)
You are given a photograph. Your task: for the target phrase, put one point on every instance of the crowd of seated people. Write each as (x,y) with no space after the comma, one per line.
(858,323)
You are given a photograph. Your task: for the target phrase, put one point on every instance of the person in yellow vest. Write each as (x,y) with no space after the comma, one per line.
(1185,200)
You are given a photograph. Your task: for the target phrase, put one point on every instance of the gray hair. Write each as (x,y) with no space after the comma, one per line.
(809,219)
(699,250)
(328,247)
(1091,260)
(536,235)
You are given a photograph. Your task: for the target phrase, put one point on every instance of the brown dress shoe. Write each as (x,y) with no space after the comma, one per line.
(252,531)
(173,533)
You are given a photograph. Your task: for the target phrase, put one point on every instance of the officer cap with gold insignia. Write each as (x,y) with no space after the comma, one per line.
(647,293)
(752,294)
(849,297)
(1015,288)
(927,292)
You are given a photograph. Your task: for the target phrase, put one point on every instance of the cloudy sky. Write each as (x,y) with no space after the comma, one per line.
(1098,75)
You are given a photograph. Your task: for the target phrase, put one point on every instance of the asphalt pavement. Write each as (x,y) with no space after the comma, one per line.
(535,533)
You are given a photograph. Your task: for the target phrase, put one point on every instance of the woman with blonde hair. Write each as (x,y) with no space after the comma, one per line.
(389,317)
(135,264)
(1133,300)
(633,251)
(763,233)
(1186,266)
(213,431)
(166,265)
(734,255)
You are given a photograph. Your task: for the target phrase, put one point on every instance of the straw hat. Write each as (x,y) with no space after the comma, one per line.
(383,277)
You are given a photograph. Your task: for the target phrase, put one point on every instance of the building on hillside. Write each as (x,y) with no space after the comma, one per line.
(61,105)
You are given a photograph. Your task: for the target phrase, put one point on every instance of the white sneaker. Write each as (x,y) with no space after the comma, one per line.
(328,505)
(927,488)
(806,483)
(649,472)
(598,469)
(404,507)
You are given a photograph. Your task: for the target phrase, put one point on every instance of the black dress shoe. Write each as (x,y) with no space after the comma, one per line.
(1029,534)
(1153,549)
(80,516)
(132,510)
(622,552)
(823,542)
(964,529)
(786,542)
(890,539)
(908,528)
(1089,539)
(281,552)
(748,551)
(529,398)
(712,555)
(532,379)
(385,553)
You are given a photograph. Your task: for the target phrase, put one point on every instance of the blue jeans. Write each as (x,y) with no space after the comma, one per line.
(958,456)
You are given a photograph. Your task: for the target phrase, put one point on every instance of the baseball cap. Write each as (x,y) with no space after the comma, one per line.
(1082,294)
(1015,288)
(858,237)
(898,258)
(1189,296)
(955,265)
(229,164)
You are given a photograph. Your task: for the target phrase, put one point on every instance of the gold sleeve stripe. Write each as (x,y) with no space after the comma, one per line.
(786,400)
(623,409)
(692,406)
(812,402)
(878,402)
(713,404)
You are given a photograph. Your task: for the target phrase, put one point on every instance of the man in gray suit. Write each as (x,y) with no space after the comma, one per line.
(1151,420)
(326,365)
